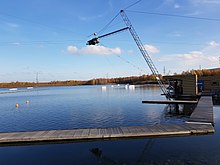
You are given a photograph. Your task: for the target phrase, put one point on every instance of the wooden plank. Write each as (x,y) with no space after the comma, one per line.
(78,133)
(94,133)
(117,132)
(145,129)
(85,132)
(104,133)
(125,130)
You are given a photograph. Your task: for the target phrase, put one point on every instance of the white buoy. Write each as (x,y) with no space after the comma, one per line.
(104,88)
(131,87)
(13,89)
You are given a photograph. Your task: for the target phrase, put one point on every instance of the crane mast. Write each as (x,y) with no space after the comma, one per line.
(144,53)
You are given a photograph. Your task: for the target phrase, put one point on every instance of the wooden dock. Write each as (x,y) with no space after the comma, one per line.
(169,102)
(203,112)
(200,122)
(104,133)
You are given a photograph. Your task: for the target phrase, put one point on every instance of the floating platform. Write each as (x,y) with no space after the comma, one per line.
(169,102)
(104,133)
(200,122)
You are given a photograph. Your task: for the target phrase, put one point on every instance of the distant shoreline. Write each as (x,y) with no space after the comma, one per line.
(134,80)
(17,85)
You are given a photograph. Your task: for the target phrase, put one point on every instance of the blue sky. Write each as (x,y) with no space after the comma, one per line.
(49,37)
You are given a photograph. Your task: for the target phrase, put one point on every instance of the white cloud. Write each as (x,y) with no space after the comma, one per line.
(72,49)
(167,58)
(169,4)
(207,57)
(130,52)
(16,43)
(215,2)
(176,34)
(176,6)
(93,50)
(89,18)
(213,44)
(195,13)
(151,49)
(12,25)
(191,55)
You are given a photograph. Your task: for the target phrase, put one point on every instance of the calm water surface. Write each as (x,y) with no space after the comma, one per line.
(123,108)
(79,107)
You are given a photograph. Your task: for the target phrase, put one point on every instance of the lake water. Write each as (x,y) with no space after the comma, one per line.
(94,106)
(79,107)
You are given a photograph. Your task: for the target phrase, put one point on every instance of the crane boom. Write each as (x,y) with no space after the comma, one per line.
(95,40)
(144,53)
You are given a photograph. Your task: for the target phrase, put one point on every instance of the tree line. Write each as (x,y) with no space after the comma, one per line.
(203,72)
(144,79)
(135,80)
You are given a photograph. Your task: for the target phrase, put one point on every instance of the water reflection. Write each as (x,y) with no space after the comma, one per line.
(176,113)
(179,109)
(104,159)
